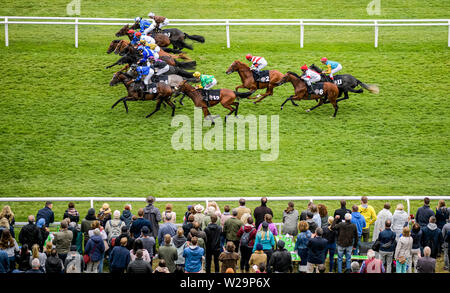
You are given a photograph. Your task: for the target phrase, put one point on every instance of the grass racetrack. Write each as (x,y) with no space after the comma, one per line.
(59,136)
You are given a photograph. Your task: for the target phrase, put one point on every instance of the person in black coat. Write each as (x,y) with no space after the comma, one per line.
(46,213)
(424,213)
(281,260)
(30,233)
(261,211)
(53,264)
(432,237)
(139,266)
(317,249)
(212,244)
(342,211)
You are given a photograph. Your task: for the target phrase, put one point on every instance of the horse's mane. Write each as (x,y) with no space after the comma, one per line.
(294,74)
(315,68)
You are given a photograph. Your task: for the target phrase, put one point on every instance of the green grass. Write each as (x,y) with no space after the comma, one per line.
(59,136)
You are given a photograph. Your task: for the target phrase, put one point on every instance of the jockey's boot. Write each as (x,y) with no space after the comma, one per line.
(205,97)
(309,88)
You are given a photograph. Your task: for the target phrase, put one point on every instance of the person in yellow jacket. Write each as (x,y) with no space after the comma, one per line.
(369,214)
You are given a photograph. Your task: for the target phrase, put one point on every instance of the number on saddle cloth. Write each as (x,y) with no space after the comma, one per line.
(318,88)
(152,89)
(162,78)
(261,76)
(213,95)
(338,80)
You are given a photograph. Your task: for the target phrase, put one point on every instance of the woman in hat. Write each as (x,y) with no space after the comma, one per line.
(198,217)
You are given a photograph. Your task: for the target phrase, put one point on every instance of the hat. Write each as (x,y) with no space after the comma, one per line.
(280,244)
(189,207)
(259,246)
(116,214)
(145,230)
(304,67)
(199,208)
(40,223)
(105,206)
(324,59)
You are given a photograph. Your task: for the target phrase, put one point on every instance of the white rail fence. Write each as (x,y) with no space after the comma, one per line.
(301,23)
(406,198)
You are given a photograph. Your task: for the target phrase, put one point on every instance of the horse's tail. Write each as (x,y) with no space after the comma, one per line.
(186,65)
(371,87)
(243,95)
(196,38)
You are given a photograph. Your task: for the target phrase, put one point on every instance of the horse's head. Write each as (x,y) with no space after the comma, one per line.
(119,76)
(233,67)
(123,31)
(112,46)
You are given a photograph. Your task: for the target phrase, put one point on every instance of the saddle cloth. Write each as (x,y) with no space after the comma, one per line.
(213,95)
(263,76)
(152,89)
(161,78)
(318,88)
(338,80)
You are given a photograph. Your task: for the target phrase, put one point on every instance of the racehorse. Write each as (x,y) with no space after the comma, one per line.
(249,82)
(227,99)
(330,92)
(345,83)
(163,93)
(161,40)
(177,37)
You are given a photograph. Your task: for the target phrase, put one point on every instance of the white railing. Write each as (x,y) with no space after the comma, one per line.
(377,23)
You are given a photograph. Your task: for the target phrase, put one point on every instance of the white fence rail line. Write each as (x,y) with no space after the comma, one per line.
(76,21)
(406,198)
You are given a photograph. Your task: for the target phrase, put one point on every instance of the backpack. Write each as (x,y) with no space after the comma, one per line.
(71,266)
(115,229)
(245,239)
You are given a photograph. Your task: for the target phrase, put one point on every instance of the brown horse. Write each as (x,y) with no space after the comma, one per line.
(163,93)
(249,82)
(160,39)
(123,47)
(330,92)
(227,98)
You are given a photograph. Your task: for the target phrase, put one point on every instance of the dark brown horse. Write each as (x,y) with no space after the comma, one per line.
(160,39)
(227,98)
(163,93)
(249,82)
(330,92)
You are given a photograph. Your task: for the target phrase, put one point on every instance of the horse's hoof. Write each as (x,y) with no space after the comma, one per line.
(308,110)
(281,108)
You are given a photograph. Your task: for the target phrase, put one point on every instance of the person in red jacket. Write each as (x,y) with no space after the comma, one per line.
(247,234)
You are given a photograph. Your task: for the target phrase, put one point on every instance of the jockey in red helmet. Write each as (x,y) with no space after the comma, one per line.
(309,76)
(258,63)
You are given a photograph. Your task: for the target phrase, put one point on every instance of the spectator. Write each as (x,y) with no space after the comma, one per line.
(432,237)
(316,215)
(139,266)
(127,215)
(242,209)
(193,257)
(330,235)
(4,262)
(53,264)
(301,245)
(442,214)
(167,228)
(266,238)
(346,241)
(281,261)
(231,227)
(229,258)
(125,233)
(77,236)
(304,213)
(45,232)
(86,224)
(199,216)
(72,213)
(168,253)
(152,214)
(369,215)
(8,214)
(342,211)
(148,242)
(30,233)
(169,211)
(372,265)
(226,215)
(201,236)
(4,225)
(424,213)
(426,264)
(139,245)
(445,246)
(402,254)
(35,253)
(257,258)
(190,211)
(387,242)
(261,211)
(180,243)
(63,240)
(120,257)
(35,267)
(9,245)
(317,249)
(290,220)
(46,213)
(247,235)
(95,249)
(360,223)
(416,235)
(188,225)
(96,225)
(212,245)
(272,226)
(323,213)
(162,268)
(355,267)
(384,215)
(104,214)
(113,227)
(311,223)
(207,219)
(216,208)
(136,226)
(400,219)
(74,261)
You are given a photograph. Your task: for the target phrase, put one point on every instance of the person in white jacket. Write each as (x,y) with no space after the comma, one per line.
(384,215)
(400,219)
(403,251)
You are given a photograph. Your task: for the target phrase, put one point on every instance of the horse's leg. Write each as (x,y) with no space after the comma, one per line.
(237,108)
(239,87)
(344,98)
(118,101)
(171,104)
(229,108)
(318,105)
(181,100)
(269,92)
(158,106)
(333,101)
(288,99)
(125,104)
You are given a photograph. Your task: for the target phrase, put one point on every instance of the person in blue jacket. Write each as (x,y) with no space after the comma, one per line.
(146,55)
(46,213)
(193,257)
(144,24)
(332,66)
(120,257)
(95,248)
(145,73)
(360,223)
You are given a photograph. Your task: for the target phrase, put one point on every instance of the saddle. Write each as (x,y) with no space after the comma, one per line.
(317,88)
(152,88)
(261,76)
(160,78)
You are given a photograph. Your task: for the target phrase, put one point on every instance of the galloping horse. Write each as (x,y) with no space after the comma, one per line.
(249,82)
(177,37)
(160,39)
(163,92)
(227,98)
(330,92)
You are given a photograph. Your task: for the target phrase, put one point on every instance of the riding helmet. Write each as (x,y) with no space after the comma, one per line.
(248,56)
(304,67)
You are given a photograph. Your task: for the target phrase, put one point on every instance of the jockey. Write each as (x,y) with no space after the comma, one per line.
(207,82)
(144,24)
(157,22)
(309,76)
(146,54)
(146,72)
(159,66)
(148,39)
(136,37)
(332,66)
(258,63)
(154,49)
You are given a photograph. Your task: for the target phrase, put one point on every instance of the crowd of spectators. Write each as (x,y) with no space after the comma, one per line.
(237,240)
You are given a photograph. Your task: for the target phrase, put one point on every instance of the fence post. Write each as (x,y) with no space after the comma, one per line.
(409,205)
(302,32)
(228,33)
(448,34)
(92,203)
(76,32)
(376,33)
(6,32)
